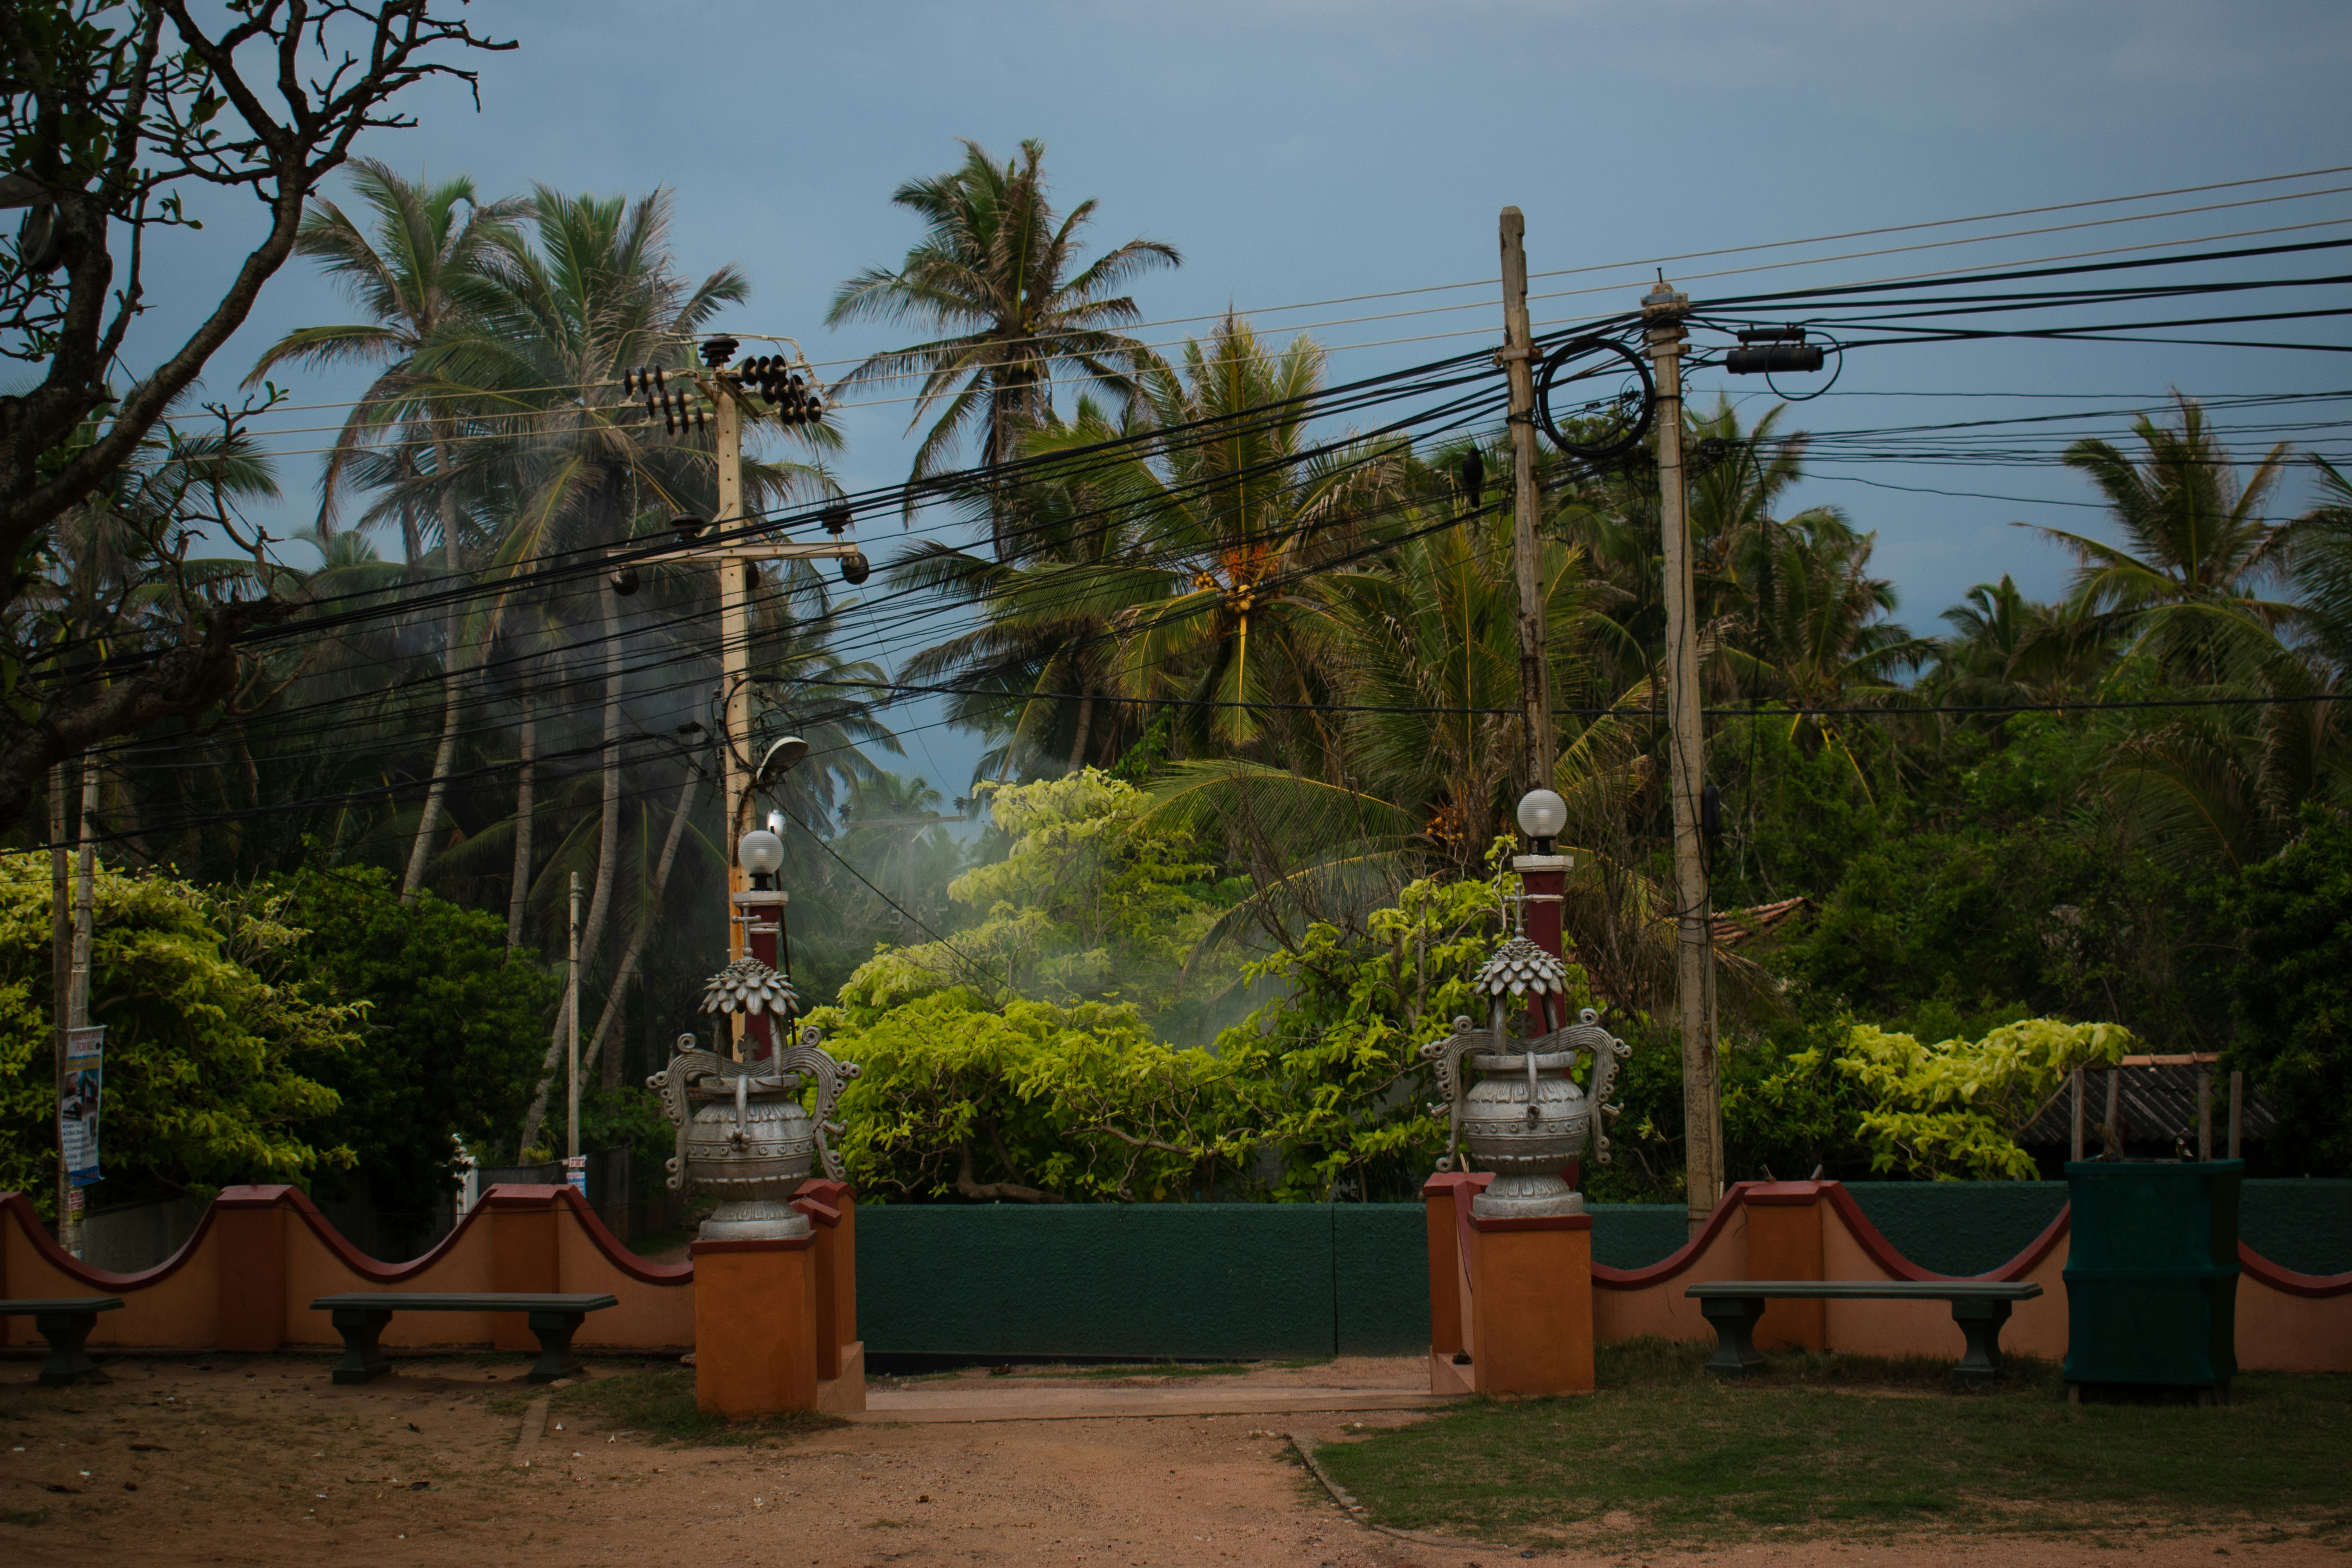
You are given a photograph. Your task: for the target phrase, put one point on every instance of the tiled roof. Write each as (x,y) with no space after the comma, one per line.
(2157,1101)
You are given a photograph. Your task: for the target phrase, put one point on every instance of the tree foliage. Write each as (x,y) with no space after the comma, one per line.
(1951,1111)
(446,1018)
(215,1073)
(2294,992)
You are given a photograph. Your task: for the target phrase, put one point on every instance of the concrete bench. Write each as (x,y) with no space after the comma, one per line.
(66,1323)
(360,1318)
(1979,1306)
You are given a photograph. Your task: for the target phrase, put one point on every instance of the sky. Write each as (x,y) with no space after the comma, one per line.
(1297,151)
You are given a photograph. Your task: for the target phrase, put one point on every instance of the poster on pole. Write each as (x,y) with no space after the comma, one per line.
(78,1105)
(575,1170)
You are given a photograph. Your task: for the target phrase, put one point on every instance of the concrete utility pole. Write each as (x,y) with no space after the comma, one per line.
(1662,309)
(1517,358)
(737,558)
(734,642)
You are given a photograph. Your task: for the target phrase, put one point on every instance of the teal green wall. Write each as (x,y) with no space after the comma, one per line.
(1959,1228)
(1280,1281)
(2304,1226)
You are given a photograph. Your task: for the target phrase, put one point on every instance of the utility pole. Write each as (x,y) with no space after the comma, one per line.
(793,401)
(85,889)
(1662,309)
(734,644)
(1517,358)
(571,1035)
(61,945)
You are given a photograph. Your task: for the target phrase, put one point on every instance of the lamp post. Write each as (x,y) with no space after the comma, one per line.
(743,1133)
(760,911)
(1543,871)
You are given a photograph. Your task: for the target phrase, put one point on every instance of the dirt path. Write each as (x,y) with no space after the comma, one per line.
(263,1461)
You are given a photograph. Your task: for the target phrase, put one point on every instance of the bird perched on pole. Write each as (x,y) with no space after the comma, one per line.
(1474,478)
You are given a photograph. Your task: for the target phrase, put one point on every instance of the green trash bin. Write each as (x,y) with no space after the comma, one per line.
(2152,1275)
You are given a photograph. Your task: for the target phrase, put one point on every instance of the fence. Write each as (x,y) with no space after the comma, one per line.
(1299,1279)
(1188,1281)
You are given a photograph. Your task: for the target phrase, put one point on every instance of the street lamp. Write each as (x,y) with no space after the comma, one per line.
(1542,813)
(779,760)
(761,853)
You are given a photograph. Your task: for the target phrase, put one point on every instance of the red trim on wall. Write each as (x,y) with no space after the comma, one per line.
(2317,1285)
(777,1243)
(1784,1194)
(29,1218)
(1682,1258)
(616,1252)
(1902,1267)
(1533,1222)
(1766,1195)
(504,1197)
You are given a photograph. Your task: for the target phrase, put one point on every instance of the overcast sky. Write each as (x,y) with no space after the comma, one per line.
(1298,151)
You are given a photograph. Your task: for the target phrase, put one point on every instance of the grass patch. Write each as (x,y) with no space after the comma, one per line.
(659,1402)
(1664,1454)
(1303,1363)
(28,1517)
(1164,1369)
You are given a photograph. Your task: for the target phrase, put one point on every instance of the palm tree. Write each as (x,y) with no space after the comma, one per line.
(992,277)
(1172,569)
(2197,546)
(2007,648)
(1421,644)
(1237,516)
(1046,633)
(412,277)
(2323,564)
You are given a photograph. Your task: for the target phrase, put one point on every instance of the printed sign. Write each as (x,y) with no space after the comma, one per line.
(77,1106)
(575,1170)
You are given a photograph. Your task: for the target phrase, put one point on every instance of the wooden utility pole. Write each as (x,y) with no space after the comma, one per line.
(1517,358)
(572,1032)
(1662,314)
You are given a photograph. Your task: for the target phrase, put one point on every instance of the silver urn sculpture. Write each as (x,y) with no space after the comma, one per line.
(1524,1117)
(743,1135)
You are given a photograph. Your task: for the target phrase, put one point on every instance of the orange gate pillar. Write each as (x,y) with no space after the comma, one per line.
(755,1316)
(1510,1301)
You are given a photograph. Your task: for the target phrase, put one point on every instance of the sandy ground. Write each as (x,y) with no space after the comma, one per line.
(264,1461)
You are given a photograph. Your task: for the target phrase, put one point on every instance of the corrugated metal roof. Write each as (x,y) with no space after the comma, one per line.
(2157,1101)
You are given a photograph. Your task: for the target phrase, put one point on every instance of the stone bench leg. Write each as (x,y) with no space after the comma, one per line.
(69,1363)
(555,1358)
(1734,1317)
(361,1327)
(1980,1322)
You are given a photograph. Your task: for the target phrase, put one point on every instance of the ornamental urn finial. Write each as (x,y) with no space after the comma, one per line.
(1525,1118)
(743,1133)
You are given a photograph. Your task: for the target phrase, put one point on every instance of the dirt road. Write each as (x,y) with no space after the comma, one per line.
(263,1461)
